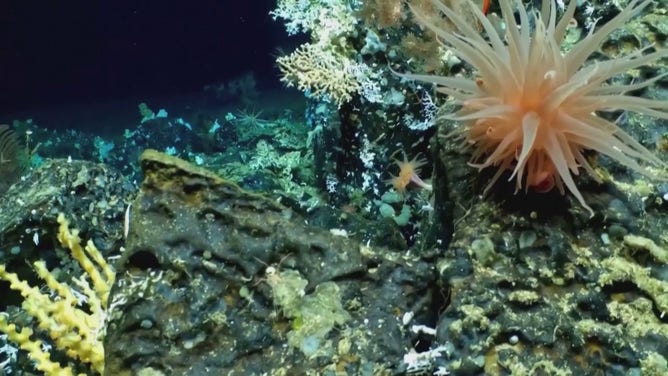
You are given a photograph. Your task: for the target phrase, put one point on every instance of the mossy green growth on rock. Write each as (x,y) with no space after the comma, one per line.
(618,269)
(313,315)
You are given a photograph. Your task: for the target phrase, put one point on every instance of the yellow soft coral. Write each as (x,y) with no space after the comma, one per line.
(78,331)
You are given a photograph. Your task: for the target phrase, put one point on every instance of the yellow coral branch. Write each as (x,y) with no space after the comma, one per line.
(70,239)
(42,358)
(77,332)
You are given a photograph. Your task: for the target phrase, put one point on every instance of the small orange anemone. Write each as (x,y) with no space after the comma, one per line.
(408,174)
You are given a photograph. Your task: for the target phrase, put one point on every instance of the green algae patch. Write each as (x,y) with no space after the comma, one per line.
(313,316)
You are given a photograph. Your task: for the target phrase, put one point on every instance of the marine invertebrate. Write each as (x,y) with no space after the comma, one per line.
(325,67)
(12,157)
(249,118)
(321,72)
(531,109)
(73,315)
(408,174)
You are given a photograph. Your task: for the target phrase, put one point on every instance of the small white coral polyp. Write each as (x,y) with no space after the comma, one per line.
(531,108)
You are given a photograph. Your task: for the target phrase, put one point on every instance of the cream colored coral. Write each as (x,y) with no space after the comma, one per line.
(321,72)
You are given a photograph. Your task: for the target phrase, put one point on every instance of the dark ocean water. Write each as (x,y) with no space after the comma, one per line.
(80,65)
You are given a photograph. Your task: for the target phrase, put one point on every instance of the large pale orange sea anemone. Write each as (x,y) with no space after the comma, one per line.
(531,108)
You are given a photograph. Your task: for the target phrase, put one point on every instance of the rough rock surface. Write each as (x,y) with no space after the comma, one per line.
(215,280)
(538,287)
(93,196)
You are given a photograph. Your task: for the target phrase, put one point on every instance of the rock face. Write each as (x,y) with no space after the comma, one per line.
(215,280)
(93,195)
(538,287)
